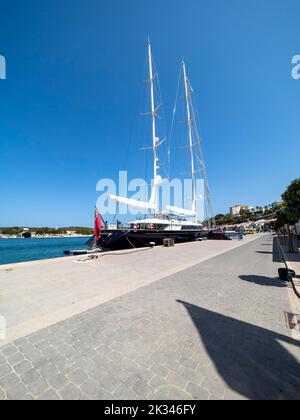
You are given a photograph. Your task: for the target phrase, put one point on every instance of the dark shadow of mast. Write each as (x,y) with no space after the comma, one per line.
(250,359)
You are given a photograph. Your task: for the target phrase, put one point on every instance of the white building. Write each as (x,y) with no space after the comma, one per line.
(236,210)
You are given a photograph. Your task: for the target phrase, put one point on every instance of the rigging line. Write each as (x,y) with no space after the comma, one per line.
(128,151)
(134,129)
(173,120)
(112,254)
(143,127)
(208,198)
(160,97)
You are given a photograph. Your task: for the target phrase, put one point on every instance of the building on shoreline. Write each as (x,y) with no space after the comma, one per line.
(236,210)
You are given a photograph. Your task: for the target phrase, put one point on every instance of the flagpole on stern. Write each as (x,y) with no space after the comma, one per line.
(98,224)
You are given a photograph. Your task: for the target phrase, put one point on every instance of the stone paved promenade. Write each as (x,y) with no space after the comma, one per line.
(213,331)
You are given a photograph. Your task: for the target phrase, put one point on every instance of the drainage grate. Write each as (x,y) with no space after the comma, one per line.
(292,321)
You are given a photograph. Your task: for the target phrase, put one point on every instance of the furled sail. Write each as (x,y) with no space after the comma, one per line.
(181,212)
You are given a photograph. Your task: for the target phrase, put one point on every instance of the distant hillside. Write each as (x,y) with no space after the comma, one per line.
(47,230)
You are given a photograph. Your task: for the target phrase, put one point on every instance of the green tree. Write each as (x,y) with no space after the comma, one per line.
(282,217)
(219,219)
(291,199)
(245,213)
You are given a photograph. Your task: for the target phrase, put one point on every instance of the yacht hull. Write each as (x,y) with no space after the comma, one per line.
(129,239)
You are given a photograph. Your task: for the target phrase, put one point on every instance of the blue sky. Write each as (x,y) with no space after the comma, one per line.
(72,99)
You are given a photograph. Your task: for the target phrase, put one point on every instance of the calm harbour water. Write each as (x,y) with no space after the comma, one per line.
(20,250)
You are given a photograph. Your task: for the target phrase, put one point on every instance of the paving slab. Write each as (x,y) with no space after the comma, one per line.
(37,294)
(214,331)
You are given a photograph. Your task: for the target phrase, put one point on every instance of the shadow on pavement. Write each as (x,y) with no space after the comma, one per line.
(274,249)
(263,281)
(277,255)
(294,257)
(250,359)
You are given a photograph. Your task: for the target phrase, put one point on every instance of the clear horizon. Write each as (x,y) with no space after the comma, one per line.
(73,94)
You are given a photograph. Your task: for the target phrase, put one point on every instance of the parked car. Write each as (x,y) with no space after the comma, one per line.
(232,234)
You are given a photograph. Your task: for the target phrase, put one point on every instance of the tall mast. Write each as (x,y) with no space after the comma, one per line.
(190,134)
(153,204)
(154,140)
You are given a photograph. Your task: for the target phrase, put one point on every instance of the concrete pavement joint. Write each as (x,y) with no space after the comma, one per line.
(212,331)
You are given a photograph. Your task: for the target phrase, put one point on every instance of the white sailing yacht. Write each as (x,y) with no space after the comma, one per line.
(172,222)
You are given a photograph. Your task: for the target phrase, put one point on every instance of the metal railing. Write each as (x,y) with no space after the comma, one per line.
(287,274)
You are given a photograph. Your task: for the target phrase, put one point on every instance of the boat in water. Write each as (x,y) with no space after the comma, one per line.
(150,232)
(180,224)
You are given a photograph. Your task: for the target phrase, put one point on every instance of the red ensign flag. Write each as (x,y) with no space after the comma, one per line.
(98,225)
